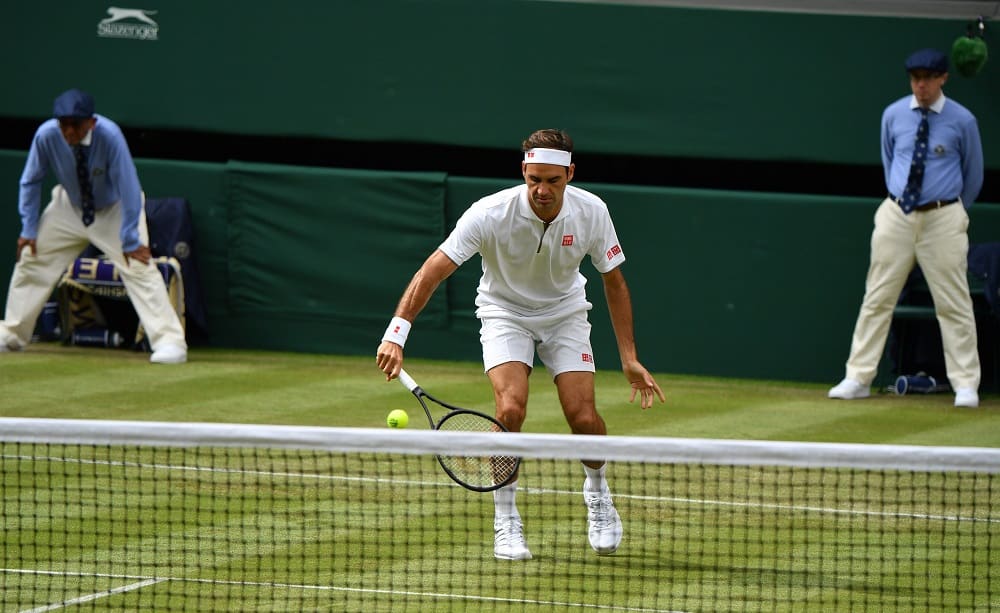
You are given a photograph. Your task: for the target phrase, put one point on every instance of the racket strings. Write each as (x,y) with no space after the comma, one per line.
(478,471)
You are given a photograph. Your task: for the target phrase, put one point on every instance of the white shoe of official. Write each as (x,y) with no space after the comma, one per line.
(10,343)
(508,539)
(849,389)
(966,397)
(604,524)
(169,354)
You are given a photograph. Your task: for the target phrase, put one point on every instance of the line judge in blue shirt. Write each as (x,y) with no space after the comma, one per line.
(933,171)
(98,200)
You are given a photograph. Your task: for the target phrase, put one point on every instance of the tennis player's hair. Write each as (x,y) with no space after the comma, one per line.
(548,139)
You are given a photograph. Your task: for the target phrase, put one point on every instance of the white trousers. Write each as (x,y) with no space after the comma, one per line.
(61,238)
(938,241)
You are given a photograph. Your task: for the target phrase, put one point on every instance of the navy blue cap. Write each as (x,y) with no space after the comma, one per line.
(927,59)
(75,104)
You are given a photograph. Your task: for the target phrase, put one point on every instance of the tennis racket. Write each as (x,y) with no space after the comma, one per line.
(477,473)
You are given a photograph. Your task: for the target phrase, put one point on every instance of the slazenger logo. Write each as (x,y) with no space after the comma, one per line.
(121,23)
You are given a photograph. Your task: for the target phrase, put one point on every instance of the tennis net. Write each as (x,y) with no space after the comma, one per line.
(103,515)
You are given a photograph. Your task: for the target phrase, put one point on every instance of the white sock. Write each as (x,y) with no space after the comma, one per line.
(595,483)
(503,499)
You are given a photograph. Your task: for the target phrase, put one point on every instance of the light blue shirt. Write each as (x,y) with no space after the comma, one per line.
(954,166)
(113,176)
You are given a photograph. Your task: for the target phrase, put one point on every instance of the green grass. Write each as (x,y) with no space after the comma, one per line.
(50,380)
(370,533)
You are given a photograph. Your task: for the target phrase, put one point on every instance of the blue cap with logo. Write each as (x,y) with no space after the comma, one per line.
(927,59)
(73,104)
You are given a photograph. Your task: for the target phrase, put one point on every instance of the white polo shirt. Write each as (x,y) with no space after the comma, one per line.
(529,268)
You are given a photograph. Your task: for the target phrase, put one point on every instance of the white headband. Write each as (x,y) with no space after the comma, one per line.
(548,156)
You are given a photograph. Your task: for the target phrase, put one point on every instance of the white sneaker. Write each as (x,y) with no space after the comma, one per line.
(966,397)
(849,389)
(169,354)
(508,539)
(604,524)
(10,343)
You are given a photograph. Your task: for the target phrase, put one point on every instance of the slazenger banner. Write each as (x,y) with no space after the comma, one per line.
(128,23)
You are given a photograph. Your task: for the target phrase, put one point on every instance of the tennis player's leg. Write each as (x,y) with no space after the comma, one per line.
(567,354)
(508,352)
(60,239)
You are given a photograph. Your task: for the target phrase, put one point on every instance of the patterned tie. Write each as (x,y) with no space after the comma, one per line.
(911,195)
(86,194)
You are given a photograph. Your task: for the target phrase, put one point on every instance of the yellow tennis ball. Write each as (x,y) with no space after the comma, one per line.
(397,419)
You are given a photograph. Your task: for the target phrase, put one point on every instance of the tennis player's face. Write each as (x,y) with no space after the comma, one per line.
(926,86)
(546,186)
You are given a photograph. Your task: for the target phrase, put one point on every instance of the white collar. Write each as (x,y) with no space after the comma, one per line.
(525,210)
(936,107)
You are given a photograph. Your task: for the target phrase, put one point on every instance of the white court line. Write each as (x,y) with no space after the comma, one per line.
(89,597)
(214,469)
(529,490)
(324,588)
(779,507)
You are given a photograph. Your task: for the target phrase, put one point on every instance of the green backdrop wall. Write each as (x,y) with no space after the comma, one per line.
(727,283)
(723,283)
(625,79)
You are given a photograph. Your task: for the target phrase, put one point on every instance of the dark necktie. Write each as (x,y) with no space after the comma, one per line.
(86,194)
(911,195)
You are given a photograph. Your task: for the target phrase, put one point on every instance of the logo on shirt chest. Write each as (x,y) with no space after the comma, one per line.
(939,150)
(567,240)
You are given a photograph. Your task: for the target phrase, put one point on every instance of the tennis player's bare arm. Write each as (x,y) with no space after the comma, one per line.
(435,269)
(620,307)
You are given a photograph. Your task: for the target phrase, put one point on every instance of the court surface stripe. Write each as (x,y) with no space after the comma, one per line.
(89,597)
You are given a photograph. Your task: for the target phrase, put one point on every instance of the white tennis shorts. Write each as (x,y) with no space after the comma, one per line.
(563,343)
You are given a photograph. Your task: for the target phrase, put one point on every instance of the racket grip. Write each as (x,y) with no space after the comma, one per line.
(407,380)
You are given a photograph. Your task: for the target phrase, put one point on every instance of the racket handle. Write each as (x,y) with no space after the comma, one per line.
(407,380)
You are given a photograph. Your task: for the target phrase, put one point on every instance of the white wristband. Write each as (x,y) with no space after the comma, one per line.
(397,331)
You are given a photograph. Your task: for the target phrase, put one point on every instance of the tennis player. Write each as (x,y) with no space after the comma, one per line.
(532,239)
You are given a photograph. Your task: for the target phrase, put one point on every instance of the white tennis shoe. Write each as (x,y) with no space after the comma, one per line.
(849,389)
(604,524)
(169,354)
(966,397)
(508,539)
(9,342)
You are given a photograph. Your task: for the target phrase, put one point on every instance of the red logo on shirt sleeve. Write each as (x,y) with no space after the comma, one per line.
(567,240)
(616,250)
(586,357)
